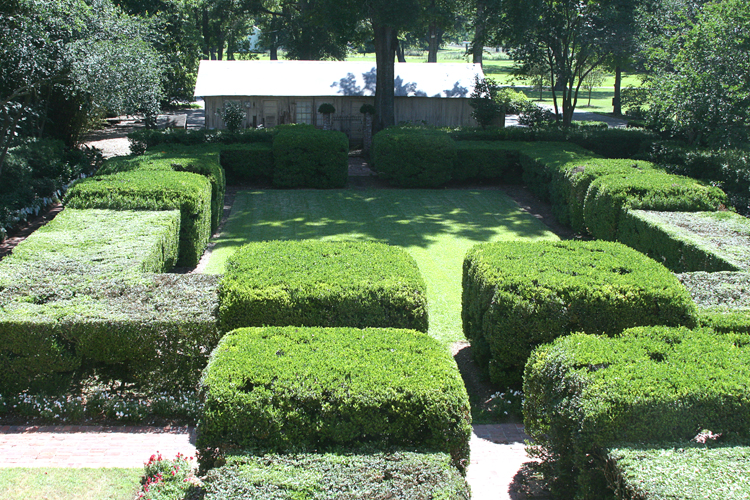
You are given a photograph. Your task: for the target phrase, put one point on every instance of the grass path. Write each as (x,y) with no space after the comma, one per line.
(69,484)
(437,227)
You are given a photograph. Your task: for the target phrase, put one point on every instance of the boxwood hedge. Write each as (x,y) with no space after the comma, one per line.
(155,330)
(322,283)
(682,471)
(248,162)
(398,475)
(414,157)
(203,160)
(518,295)
(485,160)
(96,242)
(585,393)
(608,198)
(154,190)
(283,389)
(307,157)
(692,241)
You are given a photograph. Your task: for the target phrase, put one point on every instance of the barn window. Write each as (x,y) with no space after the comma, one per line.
(304,112)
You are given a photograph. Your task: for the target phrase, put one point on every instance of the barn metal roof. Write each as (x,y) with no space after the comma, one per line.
(331,78)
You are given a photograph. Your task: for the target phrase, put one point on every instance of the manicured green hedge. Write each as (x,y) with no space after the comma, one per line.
(200,159)
(692,241)
(484,160)
(96,242)
(610,196)
(399,475)
(248,162)
(282,389)
(518,295)
(679,472)
(414,157)
(725,321)
(156,330)
(585,393)
(154,190)
(145,139)
(307,157)
(322,283)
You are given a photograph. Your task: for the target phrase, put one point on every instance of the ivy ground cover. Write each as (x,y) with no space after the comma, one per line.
(437,227)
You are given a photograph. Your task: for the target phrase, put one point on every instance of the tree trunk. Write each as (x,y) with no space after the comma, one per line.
(385,53)
(274,49)
(400,54)
(477,45)
(206,31)
(367,139)
(617,99)
(432,43)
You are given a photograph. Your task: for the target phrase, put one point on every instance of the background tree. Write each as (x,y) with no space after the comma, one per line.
(594,79)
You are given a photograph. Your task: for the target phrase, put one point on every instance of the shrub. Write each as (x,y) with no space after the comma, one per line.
(307,157)
(281,389)
(154,190)
(547,162)
(610,196)
(165,479)
(248,162)
(518,295)
(155,330)
(535,116)
(96,242)
(322,283)
(203,160)
(678,471)
(614,142)
(144,139)
(479,160)
(650,385)
(232,115)
(692,241)
(398,475)
(414,157)
(725,320)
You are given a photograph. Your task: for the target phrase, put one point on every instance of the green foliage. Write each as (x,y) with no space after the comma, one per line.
(483,100)
(282,389)
(718,290)
(725,320)
(545,164)
(513,101)
(144,139)
(232,115)
(167,479)
(650,385)
(328,476)
(613,142)
(248,162)
(678,471)
(96,242)
(413,157)
(367,109)
(518,295)
(485,160)
(317,283)
(155,330)
(307,157)
(609,197)
(326,108)
(154,190)
(178,158)
(692,241)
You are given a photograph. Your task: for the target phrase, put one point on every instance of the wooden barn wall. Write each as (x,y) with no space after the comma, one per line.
(272,111)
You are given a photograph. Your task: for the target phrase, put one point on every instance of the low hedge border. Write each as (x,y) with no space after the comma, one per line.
(289,389)
(518,295)
(414,157)
(585,393)
(322,283)
(686,242)
(96,242)
(681,471)
(608,198)
(248,162)
(484,160)
(154,330)
(203,160)
(398,475)
(154,190)
(307,157)
(145,139)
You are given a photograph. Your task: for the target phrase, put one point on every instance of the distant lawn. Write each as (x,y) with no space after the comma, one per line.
(69,484)
(436,226)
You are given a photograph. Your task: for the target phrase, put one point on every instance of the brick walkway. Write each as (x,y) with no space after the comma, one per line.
(497,451)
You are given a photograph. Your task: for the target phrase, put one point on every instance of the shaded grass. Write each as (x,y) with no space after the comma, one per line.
(69,484)
(437,227)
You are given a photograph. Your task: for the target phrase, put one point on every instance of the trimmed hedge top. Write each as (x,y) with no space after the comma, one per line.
(322,283)
(307,157)
(279,389)
(518,295)
(96,242)
(649,385)
(395,476)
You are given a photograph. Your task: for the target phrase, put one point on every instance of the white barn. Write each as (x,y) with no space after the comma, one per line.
(277,92)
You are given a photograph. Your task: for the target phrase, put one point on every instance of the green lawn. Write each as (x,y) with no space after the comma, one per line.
(436,226)
(69,484)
